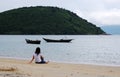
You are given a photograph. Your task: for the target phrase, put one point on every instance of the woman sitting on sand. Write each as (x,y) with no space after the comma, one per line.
(39,59)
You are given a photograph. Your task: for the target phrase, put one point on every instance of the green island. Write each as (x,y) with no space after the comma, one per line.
(45,20)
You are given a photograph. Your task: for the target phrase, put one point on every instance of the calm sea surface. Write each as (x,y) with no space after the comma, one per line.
(84,49)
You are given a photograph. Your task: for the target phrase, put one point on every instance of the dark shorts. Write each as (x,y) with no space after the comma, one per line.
(42,62)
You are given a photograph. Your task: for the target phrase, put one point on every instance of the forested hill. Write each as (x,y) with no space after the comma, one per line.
(45,20)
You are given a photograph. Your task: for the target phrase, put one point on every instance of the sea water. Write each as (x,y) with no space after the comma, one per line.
(84,49)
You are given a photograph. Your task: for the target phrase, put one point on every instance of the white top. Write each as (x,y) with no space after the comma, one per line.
(37,57)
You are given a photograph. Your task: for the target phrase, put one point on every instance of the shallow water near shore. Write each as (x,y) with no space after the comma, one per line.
(84,49)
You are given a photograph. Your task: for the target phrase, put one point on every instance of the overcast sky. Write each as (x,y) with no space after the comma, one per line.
(99,12)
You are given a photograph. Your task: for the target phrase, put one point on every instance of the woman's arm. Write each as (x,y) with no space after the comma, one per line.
(31,60)
(42,58)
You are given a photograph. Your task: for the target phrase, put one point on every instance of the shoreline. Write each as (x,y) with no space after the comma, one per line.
(53,69)
(96,64)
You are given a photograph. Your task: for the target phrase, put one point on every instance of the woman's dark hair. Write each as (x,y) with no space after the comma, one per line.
(37,51)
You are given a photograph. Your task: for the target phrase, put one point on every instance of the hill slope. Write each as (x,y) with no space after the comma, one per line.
(44,20)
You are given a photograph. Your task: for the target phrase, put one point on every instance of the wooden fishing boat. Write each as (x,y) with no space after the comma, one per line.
(60,40)
(33,41)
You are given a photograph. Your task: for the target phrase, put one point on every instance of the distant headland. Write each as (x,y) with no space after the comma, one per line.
(45,21)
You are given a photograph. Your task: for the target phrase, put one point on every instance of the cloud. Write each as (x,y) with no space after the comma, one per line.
(11,4)
(100,12)
(112,1)
(106,17)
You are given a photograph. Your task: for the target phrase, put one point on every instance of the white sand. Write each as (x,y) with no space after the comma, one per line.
(21,68)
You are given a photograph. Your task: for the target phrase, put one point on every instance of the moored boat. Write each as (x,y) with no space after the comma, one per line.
(33,41)
(60,40)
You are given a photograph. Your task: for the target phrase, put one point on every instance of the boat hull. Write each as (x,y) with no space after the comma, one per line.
(61,40)
(32,41)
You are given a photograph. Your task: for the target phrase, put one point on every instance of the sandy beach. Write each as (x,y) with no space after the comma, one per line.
(21,68)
